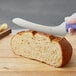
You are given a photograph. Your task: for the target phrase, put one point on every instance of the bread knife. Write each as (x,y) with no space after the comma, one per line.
(59,30)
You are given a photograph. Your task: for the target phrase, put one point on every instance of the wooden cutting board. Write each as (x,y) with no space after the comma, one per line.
(11,64)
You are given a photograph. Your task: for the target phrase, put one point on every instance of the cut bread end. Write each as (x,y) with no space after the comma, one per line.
(42,47)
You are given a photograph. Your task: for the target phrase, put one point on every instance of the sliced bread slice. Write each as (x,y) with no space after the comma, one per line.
(39,46)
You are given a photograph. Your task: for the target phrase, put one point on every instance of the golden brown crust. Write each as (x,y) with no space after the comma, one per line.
(66,47)
(66,51)
(55,38)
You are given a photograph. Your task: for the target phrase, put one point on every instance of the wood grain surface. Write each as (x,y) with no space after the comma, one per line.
(11,64)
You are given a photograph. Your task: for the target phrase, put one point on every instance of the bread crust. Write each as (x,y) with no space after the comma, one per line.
(66,51)
(66,47)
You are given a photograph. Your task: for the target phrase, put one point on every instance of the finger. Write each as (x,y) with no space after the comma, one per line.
(71,31)
(70,20)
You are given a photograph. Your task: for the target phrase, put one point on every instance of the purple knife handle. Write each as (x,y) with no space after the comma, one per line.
(73,26)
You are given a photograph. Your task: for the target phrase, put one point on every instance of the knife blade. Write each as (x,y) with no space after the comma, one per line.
(59,30)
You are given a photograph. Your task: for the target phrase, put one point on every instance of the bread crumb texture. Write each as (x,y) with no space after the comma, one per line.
(42,47)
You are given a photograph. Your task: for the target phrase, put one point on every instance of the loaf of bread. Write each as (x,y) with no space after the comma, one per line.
(49,49)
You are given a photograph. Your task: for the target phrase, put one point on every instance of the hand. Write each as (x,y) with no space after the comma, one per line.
(71,21)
